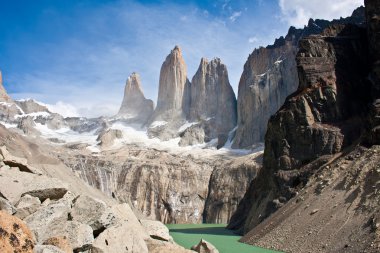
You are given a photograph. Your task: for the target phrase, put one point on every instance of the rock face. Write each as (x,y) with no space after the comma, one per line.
(269,76)
(212,97)
(4,97)
(135,107)
(173,94)
(373,19)
(31,106)
(325,115)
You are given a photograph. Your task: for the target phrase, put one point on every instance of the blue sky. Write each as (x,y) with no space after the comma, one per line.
(77,54)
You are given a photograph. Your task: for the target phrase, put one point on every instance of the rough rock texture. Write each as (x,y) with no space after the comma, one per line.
(269,76)
(15,236)
(156,246)
(26,206)
(173,97)
(337,211)
(27,125)
(107,138)
(47,249)
(4,97)
(119,238)
(228,183)
(373,28)
(325,115)
(173,101)
(213,97)
(192,136)
(135,107)
(60,242)
(7,207)
(204,247)
(157,230)
(31,106)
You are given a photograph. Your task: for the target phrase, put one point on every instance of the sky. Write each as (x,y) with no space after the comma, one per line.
(76,55)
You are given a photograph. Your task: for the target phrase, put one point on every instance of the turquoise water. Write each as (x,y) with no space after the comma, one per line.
(223,239)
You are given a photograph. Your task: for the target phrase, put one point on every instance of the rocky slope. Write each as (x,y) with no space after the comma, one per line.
(269,76)
(212,98)
(325,115)
(135,107)
(57,212)
(316,181)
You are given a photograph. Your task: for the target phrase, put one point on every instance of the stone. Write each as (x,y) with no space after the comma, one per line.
(31,106)
(213,97)
(47,249)
(27,125)
(157,230)
(15,236)
(157,246)
(45,219)
(204,247)
(124,215)
(14,161)
(60,242)
(27,205)
(119,238)
(7,207)
(15,184)
(108,137)
(4,97)
(92,212)
(135,108)
(192,136)
(80,236)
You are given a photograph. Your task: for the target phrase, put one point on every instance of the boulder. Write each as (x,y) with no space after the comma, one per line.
(192,136)
(119,238)
(107,138)
(157,246)
(27,125)
(47,249)
(124,214)
(204,247)
(92,212)
(6,206)
(27,205)
(157,230)
(14,161)
(15,236)
(60,242)
(15,184)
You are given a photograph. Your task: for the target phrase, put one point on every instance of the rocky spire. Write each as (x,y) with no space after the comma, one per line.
(135,106)
(212,96)
(173,95)
(4,97)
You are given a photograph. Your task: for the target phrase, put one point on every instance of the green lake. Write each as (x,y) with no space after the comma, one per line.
(223,239)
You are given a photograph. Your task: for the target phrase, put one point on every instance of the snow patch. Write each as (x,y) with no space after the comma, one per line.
(158,124)
(186,126)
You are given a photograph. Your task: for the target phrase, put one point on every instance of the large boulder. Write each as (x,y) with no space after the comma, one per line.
(92,212)
(108,137)
(6,206)
(157,230)
(27,205)
(119,238)
(15,236)
(204,247)
(15,184)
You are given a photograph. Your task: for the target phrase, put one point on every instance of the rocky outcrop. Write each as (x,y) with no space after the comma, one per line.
(173,101)
(135,108)
(4,97)
(30,106)
(269,76)
(108,137)
(373,28)
(212,97)
(325,115)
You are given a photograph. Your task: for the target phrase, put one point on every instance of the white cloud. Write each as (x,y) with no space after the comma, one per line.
(298,12)
(253,40)
(235,15)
